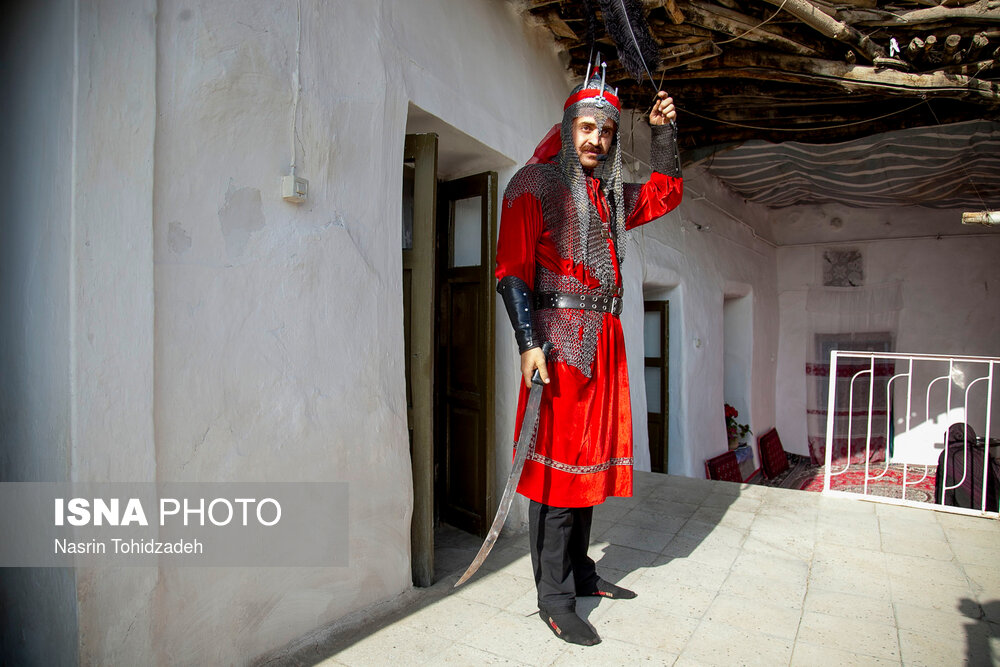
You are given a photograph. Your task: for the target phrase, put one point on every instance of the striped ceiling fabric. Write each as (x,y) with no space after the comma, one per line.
(948,166)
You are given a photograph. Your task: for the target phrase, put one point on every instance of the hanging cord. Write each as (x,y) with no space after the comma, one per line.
(799,129)
(767,20)
(663,73)
(296,83)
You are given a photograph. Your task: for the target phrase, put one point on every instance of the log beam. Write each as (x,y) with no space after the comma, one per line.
(793,69)
(826,25)
(920,16)
(686,54)
(675,14)
(979,43)
(728,22)
(558,27)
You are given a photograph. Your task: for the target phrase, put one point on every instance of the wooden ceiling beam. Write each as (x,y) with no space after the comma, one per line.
(667,32)
(830,27)
(856,78)
(921,16)
(733,24)
(687,54)
(558,27)
(674,12)
(792,66)
(750,105)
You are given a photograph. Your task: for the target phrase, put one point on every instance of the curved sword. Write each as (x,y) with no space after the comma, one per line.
(525,445)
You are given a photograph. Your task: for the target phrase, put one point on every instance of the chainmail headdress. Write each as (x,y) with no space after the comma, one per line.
(575,226)
(591,99)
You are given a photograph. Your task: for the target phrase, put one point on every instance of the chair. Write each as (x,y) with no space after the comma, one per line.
(773,459)
(724,468)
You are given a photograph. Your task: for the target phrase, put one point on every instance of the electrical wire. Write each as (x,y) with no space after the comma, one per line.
(780,7)
(296,83)
(798,129)
(659,86)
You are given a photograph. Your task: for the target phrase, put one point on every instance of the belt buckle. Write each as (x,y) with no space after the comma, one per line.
(616,305)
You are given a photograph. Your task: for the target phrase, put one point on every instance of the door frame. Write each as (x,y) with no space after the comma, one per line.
(421,149)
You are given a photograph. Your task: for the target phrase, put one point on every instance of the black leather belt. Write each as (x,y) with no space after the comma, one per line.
(595,302)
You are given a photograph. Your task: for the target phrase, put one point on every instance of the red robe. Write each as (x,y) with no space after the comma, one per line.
(583,448)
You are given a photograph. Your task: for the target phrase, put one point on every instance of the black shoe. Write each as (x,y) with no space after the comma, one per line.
(566,625)
(606,589)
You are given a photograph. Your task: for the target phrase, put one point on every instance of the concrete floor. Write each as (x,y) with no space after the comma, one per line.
(725,575)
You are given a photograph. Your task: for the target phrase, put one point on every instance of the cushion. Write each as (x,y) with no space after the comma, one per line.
(724,467)
(773,460)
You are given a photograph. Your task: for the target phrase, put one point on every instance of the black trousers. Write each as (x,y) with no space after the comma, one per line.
(559,540)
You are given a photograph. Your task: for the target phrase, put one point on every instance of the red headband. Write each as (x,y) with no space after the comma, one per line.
(589,93)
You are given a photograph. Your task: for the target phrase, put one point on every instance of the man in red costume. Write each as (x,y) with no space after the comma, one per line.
(563,235)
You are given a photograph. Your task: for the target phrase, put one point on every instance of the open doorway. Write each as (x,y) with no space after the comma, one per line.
(464,385)
(449,245)
(737,316)
(656,362)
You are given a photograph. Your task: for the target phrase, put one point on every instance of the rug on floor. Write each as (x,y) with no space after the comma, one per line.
(805,476)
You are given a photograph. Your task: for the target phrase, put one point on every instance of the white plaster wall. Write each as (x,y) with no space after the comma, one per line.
(951,302)
(81,298)
(252,339)
(168,317)
(695,268)
(279,342)
(39,620)
(832,222)
(478,68)
(112,300)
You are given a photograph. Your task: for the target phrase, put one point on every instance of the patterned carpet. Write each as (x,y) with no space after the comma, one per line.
(804,475)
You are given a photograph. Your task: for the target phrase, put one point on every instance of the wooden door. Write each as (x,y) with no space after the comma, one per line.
(464,465)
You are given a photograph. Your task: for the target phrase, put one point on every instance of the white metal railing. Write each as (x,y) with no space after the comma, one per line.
(949,390)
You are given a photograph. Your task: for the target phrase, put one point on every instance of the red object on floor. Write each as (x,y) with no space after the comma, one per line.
(724,467)
(773,460)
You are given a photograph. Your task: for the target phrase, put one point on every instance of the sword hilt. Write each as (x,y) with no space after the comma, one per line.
(546,350)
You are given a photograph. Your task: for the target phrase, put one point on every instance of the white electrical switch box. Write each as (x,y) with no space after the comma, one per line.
(294,189)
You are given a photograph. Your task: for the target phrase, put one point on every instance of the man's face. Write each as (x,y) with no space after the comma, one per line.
(590,140)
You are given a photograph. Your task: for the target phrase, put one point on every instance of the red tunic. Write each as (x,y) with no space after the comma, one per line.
(583,448)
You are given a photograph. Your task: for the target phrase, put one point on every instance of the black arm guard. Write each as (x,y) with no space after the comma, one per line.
(518,299)
(664,156)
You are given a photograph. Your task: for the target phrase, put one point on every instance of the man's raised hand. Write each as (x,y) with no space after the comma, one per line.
(663,110)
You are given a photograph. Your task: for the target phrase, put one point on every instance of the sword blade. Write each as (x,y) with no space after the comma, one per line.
(525,443)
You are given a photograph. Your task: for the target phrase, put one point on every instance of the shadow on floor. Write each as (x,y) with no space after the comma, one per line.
(629,536)
(454,550)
